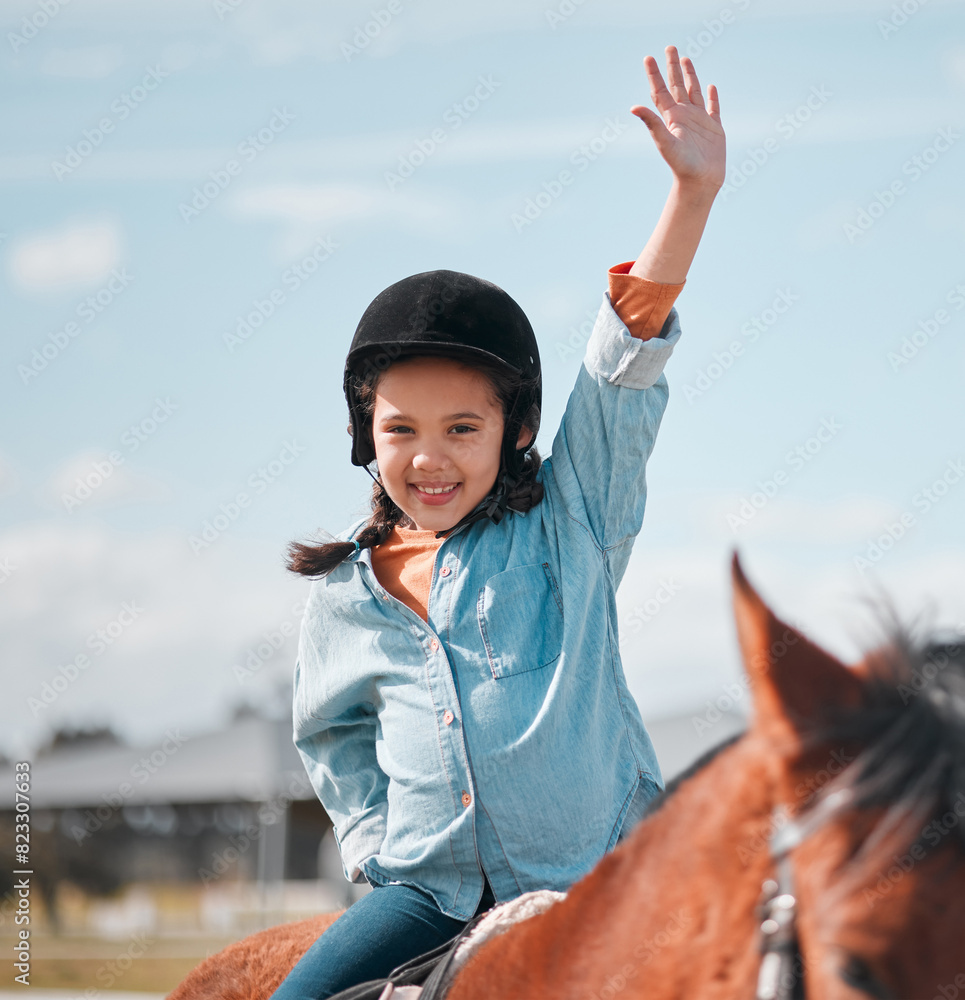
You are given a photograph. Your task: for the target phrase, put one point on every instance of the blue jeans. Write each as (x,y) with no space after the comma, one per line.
(383,929)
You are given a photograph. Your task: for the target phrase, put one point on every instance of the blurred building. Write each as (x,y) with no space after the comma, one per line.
(213,811)
(235,803)
(230,816)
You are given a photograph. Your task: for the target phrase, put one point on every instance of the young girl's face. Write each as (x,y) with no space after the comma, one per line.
(438,430)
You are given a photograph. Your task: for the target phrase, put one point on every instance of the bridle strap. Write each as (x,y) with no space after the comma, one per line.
(781,976)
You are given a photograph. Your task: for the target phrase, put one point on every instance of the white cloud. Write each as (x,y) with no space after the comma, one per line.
(847,519)
(681,655)
(185,52)
(678,640)
(845,121)
(9,480)
(947,216)
(929,588)
(953,64)
(87,62)
(844,118)
(94,479)
(202,616)
(277,32)
(826,228)
(78,253)
(330,204)
(171,663)
(302,208)
(292,29)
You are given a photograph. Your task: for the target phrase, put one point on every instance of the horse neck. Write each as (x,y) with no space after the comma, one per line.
(687,879)
(696,869)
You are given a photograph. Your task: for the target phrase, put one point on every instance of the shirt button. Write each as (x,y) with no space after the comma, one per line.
(445,571)
(466,798)
(448,717)
(434,645)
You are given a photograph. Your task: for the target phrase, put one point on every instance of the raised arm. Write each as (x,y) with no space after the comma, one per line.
(690,138)
(597,467)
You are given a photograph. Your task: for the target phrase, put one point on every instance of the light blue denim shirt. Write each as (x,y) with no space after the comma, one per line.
(499,737)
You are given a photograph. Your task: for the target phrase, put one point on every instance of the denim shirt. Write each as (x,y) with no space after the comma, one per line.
(499,736)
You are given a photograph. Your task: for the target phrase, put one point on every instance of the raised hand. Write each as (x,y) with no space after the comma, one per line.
(689,135)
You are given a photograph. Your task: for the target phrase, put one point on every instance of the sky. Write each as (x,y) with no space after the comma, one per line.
(200,198)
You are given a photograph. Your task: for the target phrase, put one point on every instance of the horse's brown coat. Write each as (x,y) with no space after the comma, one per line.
(252,969)
(670,914)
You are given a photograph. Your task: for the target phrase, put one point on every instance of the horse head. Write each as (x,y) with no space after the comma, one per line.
(819,855)
(866,771)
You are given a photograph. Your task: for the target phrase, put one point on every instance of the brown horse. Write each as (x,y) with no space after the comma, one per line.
(820,854)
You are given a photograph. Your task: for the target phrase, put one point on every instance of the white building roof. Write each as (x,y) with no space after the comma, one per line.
(253,760)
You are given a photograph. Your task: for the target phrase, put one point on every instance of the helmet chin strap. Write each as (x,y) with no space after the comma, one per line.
(492,506)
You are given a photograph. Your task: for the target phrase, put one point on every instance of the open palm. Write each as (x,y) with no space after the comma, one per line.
(689,135)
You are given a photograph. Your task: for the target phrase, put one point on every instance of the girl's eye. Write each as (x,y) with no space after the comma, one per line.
(457,428)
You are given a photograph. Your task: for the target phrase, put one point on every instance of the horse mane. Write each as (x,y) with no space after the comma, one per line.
(912,724)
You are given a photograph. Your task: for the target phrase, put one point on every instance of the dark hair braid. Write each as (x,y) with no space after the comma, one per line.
(318,560)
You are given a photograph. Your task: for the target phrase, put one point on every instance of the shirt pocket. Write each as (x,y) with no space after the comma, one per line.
(520,614)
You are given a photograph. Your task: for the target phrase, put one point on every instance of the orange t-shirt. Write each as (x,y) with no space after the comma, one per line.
(642,304)
(403,563)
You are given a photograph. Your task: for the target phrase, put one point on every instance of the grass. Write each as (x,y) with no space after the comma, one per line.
(137,963)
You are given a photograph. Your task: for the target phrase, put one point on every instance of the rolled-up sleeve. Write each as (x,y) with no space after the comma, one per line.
(642,304)
(336,739)
(599,455)
(626,360)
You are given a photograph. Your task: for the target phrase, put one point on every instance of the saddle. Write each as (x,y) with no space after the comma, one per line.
(428,976)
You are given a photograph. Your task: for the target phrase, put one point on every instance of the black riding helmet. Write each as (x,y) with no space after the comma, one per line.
(456,315)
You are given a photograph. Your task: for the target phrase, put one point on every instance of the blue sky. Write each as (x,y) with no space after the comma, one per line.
(171,169)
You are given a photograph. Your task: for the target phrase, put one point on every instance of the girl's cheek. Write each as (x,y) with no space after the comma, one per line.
(391,446)
(471,452)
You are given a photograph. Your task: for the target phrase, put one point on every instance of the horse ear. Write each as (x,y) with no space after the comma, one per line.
(794,683)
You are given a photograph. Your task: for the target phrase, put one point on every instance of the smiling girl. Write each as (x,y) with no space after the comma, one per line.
(460,705)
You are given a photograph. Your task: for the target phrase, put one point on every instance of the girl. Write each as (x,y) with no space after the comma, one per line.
(460,705)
